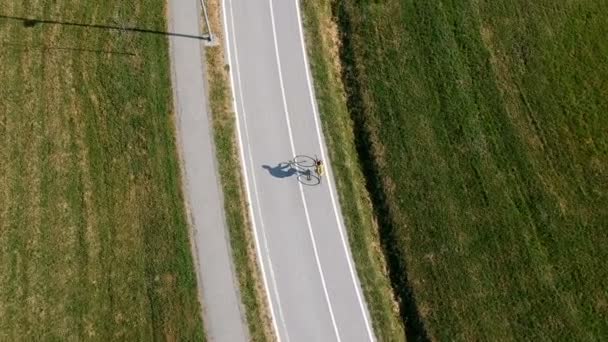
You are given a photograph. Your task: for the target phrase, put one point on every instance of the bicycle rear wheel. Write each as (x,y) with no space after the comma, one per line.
(309,180)
(304,161)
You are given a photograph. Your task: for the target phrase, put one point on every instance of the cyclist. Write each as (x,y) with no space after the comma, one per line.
(319,167)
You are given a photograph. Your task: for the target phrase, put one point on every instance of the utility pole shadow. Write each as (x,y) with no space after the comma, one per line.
(32,22)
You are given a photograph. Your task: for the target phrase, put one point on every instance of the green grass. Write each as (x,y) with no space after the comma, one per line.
(235,205)
(481,128)
(93,237)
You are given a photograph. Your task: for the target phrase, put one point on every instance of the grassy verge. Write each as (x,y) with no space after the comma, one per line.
(93,237)
(323,39)
(481,128)
(235,205)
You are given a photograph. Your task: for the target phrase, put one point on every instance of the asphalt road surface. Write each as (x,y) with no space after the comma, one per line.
(307,268)
(223,317)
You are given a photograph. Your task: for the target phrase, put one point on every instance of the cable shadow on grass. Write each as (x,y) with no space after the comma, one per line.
(45,48)
(410,315)
(33,22)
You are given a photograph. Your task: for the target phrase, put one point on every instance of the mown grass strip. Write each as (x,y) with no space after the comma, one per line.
(235,205)
(94,241)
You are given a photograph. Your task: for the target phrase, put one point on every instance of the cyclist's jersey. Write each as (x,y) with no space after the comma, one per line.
(319,169)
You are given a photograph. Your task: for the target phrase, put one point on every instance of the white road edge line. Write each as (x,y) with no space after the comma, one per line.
(293,149)
(329,175)
(255,188)
(243,162)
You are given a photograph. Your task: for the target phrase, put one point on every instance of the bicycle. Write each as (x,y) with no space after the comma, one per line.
(304,165)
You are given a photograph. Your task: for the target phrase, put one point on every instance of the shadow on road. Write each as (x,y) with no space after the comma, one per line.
(32,22)
(304,175)
(282,170)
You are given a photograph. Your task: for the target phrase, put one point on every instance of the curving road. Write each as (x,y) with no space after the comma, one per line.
(302,246)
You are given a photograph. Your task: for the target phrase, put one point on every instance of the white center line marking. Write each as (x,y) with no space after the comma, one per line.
(249,176)
(329,176)
(291,141)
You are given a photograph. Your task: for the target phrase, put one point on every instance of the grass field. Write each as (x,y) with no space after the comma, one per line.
(482,129)
(93,236)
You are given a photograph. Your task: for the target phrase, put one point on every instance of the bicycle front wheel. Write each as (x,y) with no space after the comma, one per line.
(304,161)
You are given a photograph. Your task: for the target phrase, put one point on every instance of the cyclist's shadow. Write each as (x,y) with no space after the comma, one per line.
(303,174)
(282,170)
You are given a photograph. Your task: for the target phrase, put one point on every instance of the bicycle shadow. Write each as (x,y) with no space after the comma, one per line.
(282,170)
(304,175)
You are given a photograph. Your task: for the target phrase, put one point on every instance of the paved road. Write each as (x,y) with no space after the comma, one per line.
(308,272)
(217,285)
